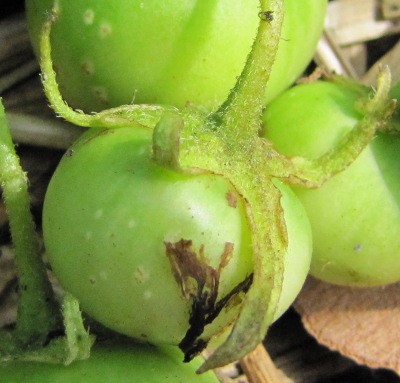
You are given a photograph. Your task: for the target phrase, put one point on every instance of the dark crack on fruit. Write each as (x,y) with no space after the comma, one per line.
(199,282)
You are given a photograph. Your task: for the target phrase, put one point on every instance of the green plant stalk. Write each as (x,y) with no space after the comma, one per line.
(241,112)
(37,310)
(75,345)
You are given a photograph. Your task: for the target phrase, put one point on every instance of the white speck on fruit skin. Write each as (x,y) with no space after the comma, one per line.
(147,294)
(88,235)
(103,275)
(131,224)
(105,30)
(141,150)
(327,265)
(88,16)
(99,214)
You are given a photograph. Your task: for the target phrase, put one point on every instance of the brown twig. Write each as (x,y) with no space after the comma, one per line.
(259,367)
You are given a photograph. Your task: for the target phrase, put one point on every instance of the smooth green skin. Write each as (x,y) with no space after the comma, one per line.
(171,52)
(355,216)
(105,230)
(112,363)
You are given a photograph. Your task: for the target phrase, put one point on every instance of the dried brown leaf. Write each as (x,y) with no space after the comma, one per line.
(361,323)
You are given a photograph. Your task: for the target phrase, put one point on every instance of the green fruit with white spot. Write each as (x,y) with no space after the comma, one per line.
(109,53)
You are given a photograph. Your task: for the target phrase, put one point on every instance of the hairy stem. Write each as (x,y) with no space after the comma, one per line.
(243,108)
(37,311)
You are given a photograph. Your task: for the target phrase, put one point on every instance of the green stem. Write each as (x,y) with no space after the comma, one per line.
(166,141)
(49,81)
(121,116)
(243,108)
(37,313)
(377,110)
(232,148)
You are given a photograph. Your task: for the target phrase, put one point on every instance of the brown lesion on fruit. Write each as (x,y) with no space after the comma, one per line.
(199,282)
(140,275)
(231,197)
(101,94)
(105,30)
(87,68)
(88,16)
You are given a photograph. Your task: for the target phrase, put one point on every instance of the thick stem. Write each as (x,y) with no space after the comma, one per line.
(37,312)
(166,141)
